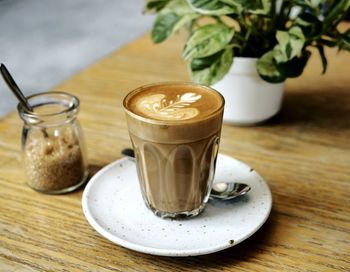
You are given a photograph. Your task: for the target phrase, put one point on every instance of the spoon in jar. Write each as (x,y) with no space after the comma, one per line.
(11,83)
(220,190)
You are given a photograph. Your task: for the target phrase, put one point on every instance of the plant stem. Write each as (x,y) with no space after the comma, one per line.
(246,39)
(283,16)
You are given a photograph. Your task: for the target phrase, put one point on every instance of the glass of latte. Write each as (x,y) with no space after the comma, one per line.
(175,131)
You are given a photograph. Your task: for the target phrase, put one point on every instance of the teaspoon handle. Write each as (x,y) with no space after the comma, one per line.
(11,83)
(14,88)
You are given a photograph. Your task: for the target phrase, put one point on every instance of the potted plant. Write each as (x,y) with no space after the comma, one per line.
(247,49)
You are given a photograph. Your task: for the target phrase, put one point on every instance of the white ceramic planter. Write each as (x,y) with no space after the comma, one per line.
(248,98)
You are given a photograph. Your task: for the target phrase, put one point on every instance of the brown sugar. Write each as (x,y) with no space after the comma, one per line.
(54,163)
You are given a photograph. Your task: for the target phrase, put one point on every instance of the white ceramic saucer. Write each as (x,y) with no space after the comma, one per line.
(113,205)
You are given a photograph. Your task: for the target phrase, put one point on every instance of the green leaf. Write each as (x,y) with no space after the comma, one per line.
(313,3)
(180,7)
(290,44)
(344,41)
(251,6)
(236,5)
(208,40)
(301,22)
(185,19)
(323,58)
(280,53)
(309,23)
(197,64)
(270,70)
(154,6)
(301,3)
(172,17)
(295,66)
(211,69)
(335,12)
(211,7)
(274,72)
(258,6)
(163,26)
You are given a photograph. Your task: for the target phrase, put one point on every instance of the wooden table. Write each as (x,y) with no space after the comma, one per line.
(303,153)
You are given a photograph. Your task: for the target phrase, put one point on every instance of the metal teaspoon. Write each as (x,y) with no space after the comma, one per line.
(11,83)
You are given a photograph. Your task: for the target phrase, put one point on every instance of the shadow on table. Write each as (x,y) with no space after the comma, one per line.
(322,109)
(93,169)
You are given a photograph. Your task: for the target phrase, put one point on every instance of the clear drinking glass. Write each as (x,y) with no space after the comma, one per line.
(53,147)
(175,131)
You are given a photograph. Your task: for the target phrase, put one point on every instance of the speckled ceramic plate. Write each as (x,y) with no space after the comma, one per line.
(113,205)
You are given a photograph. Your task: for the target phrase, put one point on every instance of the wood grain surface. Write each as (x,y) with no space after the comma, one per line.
(303,153)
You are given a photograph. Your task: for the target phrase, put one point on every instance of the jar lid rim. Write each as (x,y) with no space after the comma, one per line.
(29,114)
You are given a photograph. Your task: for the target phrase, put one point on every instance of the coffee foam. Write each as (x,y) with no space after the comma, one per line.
(158,106)
(174,102)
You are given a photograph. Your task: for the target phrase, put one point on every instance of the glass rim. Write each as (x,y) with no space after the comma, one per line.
(29,114)
(171,122)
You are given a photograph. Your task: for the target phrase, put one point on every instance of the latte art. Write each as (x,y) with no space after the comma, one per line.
(174,102)
(158,106)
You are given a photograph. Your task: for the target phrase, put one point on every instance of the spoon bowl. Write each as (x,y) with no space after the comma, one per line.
(228,190)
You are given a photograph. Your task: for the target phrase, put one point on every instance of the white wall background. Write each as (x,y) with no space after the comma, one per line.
(44,42)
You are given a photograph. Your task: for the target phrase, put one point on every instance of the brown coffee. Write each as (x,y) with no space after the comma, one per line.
(175,130)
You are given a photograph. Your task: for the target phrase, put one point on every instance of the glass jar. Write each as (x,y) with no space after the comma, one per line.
(53,145)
